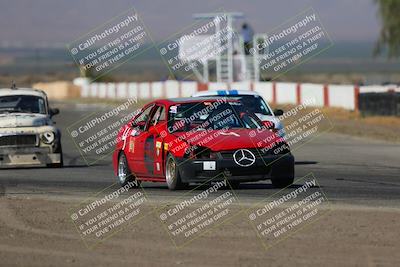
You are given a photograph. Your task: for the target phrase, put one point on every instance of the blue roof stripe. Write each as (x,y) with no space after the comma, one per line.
(233,92)
(221,92)
(227,92)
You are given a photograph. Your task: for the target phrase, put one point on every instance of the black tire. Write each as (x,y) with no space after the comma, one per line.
(172,175)
(234,184)
(61,163)
(281,182)
(282,174)
(124,174)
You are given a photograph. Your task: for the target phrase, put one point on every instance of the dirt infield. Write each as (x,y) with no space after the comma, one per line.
(37,232)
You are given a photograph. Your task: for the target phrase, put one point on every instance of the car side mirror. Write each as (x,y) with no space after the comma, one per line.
(54,111)
(278,112)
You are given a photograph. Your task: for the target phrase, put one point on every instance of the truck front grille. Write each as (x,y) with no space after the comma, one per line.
(18,140)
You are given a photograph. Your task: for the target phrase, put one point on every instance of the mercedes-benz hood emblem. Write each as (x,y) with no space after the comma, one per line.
(244,157)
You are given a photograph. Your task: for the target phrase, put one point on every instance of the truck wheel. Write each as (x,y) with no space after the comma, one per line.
(172,176)
(61,163)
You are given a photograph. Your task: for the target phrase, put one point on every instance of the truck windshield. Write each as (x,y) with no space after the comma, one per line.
(22,104)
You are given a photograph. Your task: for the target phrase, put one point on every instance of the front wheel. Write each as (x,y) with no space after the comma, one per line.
(282,174)
(61,163)
(234,184)
(124,174)
(172,175)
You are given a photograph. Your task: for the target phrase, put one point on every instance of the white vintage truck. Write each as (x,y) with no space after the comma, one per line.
(28,136)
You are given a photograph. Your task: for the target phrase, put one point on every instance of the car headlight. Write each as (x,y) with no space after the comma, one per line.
(48,137)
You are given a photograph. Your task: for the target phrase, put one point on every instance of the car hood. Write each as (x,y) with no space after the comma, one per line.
(219,140)
(10,120)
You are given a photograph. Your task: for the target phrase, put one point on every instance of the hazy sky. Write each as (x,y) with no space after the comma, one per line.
(36,22)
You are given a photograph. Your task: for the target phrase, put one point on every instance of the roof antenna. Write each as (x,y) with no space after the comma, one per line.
(13,85)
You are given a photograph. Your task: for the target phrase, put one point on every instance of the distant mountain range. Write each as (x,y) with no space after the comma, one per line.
(342,57)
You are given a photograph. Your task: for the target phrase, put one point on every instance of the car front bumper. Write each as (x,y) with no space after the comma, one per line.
(27,157)
(266,167)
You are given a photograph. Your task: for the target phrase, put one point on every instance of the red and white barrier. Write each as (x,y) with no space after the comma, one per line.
(311,91)
(286,93)
(157,88)
(265,90)
(342,96)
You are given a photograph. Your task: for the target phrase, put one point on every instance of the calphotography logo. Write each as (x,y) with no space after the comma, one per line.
(244,157)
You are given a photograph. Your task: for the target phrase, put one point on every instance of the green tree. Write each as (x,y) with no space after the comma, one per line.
(389,38)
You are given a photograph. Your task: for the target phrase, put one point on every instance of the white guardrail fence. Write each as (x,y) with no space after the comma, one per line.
(325,95)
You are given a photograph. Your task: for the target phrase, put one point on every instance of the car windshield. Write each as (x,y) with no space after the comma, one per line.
(253,103)
(22,103)
(210,115)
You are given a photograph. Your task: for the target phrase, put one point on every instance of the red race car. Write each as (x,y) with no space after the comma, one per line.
(192,140)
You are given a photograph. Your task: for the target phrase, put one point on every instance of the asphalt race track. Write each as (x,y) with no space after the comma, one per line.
(359,177)
(348,169)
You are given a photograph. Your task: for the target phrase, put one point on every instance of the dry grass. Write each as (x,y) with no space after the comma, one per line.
(343,114)
(352,123)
